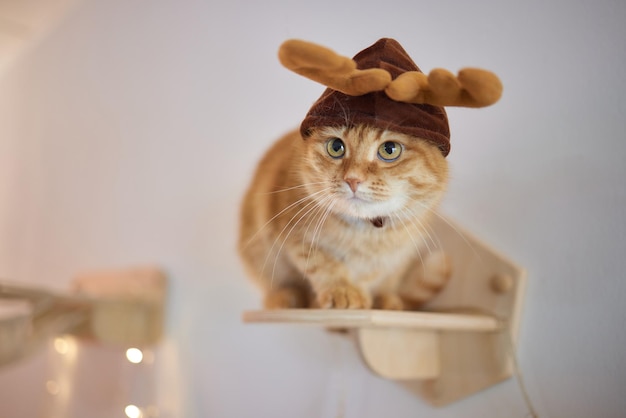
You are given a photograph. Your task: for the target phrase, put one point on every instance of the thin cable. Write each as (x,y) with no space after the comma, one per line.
(517,372)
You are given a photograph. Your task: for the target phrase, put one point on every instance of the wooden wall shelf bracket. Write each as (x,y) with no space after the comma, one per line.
(464,341)
(123,307)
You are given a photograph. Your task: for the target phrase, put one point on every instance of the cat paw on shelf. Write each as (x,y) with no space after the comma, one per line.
(343,296)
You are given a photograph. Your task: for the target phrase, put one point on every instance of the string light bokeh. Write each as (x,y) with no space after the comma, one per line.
(105,380)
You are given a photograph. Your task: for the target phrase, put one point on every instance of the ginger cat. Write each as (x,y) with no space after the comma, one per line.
(338,218)
(337,214)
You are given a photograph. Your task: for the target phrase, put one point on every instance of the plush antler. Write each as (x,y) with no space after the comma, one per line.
(471,88)
(330,69)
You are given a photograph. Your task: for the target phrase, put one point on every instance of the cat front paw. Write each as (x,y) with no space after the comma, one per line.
(343,296)
(388,301)
(285,298)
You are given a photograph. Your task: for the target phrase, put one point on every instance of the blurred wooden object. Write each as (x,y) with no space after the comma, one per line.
(124,307)
(462,342)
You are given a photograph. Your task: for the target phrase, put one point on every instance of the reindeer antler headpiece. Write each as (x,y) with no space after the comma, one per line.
(382,87)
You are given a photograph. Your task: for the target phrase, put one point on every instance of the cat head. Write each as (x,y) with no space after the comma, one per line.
(368,173)
(337,108)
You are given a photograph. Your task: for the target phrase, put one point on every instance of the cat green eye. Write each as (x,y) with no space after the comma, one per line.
(335,148)
(389,151)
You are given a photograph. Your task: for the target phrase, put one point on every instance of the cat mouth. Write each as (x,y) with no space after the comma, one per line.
(362,208)
(355,198)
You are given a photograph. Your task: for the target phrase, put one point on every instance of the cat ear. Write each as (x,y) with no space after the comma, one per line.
(473,87)
(330,69)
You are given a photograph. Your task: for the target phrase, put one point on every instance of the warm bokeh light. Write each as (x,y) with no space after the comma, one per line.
(134,355)
(132,411)
(61,345)
(53,387)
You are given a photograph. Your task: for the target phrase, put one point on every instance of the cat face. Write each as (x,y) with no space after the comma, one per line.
(368,173)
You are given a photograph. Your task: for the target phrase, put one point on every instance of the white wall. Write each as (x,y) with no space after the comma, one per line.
(129,134)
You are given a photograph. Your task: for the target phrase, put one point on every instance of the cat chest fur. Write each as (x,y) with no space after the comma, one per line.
(368,254)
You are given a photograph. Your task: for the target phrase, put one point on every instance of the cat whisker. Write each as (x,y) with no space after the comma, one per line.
(417,248)
(320,209)
(456,230)
(431,233)
(324,209)
(318,228)
(419,226)
(292,205)
(429,236)
(312,202)
(316,205)
(424,228)
(299,186)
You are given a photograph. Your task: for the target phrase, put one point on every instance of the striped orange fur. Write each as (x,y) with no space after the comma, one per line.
(342,224)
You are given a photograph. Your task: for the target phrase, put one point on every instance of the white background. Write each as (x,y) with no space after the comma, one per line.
(129,133)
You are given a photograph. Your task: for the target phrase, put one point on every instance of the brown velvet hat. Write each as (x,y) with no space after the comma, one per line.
(376,109)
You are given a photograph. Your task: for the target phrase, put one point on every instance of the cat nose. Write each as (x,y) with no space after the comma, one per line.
(353,183)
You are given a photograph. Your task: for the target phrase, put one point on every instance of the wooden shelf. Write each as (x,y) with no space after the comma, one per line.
(348,318)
